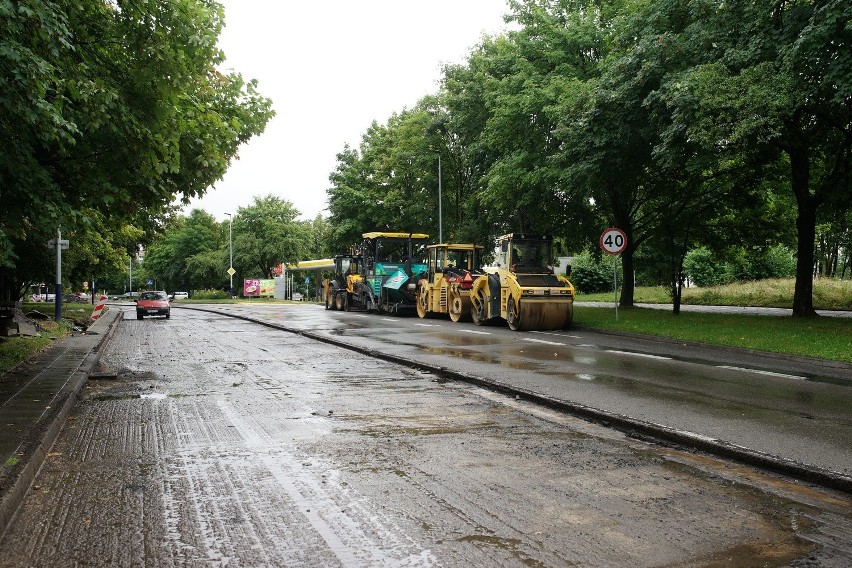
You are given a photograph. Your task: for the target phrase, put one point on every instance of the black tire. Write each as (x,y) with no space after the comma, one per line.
(139,316)
(513,314)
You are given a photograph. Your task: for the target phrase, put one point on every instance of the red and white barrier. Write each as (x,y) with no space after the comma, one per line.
(96,313)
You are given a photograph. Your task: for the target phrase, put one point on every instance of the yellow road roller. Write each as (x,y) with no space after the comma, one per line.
(521,287)
(445,288)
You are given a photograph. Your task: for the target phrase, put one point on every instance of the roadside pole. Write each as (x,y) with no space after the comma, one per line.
(613,242)
(58,244)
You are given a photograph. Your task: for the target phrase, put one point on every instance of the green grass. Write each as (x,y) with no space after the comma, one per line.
(824,338)
(829,294)
(13,350)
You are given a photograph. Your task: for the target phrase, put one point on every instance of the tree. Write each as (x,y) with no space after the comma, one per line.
(114,107)
(266,234)
(779,87)
(191,254)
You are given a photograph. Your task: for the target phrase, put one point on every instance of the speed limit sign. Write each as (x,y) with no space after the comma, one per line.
(613,241)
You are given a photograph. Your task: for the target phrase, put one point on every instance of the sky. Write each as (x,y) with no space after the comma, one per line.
(331,68)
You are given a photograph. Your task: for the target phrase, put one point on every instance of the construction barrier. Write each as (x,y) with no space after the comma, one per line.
(96,313)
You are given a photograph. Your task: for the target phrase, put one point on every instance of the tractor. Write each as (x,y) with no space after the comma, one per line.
(445,288)
(521,288)
(347,277)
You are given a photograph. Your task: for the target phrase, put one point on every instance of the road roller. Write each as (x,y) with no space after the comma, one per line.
(521,287)
(445,288)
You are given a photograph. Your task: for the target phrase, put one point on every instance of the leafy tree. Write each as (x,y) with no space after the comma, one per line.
(113,108)
(190,255)
(777,85)
(266,234)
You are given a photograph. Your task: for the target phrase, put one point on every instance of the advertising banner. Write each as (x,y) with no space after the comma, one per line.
(267,288)
(251,287)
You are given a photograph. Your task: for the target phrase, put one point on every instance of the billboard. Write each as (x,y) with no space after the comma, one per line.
(255,288)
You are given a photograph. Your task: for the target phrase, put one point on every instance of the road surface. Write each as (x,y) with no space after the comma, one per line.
(224,443)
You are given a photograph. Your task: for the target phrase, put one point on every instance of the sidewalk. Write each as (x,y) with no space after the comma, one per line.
(722,309)
(35,398)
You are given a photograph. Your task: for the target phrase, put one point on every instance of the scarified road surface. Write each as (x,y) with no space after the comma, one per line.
(221,442)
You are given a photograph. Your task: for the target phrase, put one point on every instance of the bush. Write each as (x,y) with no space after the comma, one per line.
(703,269)
(591,276)
(209,295)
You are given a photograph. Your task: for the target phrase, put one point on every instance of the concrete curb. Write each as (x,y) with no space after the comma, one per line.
(630,426)
(16,479)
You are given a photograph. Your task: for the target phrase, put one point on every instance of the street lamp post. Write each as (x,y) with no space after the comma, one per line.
(231,253)
(440,205)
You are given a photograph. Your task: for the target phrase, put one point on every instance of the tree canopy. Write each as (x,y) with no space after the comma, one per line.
(111,111)
(683,123)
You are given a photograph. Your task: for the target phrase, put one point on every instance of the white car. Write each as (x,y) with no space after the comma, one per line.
(180,295)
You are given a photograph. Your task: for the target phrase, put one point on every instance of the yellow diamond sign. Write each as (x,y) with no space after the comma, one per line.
(231,271)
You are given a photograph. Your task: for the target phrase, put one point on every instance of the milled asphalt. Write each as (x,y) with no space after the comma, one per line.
(38,395)
(35,399)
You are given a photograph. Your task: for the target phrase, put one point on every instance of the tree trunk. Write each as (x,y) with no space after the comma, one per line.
(627,283)
(803,295)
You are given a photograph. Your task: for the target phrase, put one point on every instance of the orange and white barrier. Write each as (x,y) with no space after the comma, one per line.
(96,313)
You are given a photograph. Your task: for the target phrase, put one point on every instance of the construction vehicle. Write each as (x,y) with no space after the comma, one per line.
(521,287)
(445,288)
(391,264)
(346,278)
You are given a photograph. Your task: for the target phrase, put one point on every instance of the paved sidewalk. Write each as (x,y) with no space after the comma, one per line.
(722,309)
(35,398)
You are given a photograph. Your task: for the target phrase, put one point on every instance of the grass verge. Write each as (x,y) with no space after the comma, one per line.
(829,294)
(823,338)
(13,350)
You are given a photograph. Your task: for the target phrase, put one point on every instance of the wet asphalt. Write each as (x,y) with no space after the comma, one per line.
(211,441)
(791,412)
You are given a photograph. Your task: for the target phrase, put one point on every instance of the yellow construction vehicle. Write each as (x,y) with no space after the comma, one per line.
(445,288)
(521,287)
(346,278)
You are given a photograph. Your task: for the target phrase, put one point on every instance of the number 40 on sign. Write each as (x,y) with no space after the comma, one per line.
(613,241)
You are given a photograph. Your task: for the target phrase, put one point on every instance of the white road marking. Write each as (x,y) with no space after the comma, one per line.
(556,334)
(759,372)
(427,324)
(352,544)
(475,331)
(646,355)
(531,340)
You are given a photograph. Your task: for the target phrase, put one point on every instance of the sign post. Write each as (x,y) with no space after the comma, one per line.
(58,243)
(613,242)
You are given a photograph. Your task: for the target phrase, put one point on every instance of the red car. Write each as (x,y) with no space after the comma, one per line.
(153,304)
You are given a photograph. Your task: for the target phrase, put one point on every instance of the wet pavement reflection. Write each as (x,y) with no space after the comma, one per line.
(224,443)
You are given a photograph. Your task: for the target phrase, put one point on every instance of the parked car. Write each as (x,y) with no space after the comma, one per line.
(180,295)
(153,304)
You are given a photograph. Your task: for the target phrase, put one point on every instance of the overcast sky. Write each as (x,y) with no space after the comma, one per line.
(331,68)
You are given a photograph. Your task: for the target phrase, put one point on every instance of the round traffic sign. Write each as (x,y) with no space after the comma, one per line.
(613,241)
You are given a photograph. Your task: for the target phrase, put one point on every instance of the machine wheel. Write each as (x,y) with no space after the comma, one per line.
(340,302)
(513,314)
(459,309)
(478,308)
(423,302)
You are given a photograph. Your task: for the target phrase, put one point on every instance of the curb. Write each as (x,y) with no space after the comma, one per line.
(629,426)
(16,480)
